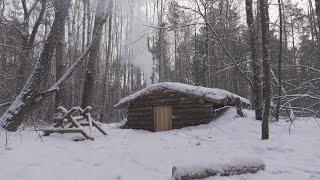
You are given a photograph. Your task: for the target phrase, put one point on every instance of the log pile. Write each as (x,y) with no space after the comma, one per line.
(189,173)
(73,121)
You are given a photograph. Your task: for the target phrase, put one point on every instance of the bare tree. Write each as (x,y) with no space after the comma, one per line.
(28,40)
(317,4)
(107,68)
(61,67)
(90,77)
(23,103)
(256,90)
(264,19)
(280,61)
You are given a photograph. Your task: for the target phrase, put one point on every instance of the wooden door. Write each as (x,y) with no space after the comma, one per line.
(162,118)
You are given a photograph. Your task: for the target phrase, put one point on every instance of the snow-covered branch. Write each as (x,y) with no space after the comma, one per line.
(56,86)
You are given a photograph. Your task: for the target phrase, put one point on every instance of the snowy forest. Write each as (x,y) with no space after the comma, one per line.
(57,55)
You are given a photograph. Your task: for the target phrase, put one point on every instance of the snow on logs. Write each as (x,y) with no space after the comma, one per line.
(205,171)
(71,123)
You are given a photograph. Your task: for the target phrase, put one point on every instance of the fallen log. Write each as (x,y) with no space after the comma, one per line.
(205,171)
(49,131)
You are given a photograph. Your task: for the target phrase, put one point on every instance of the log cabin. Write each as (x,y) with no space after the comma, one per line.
(168,105)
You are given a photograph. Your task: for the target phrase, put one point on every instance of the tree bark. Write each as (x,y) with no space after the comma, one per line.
(317,4)
(84,25)
(264,20)
(107,68)
(206,46)
(2,38)
(279,62)
(256,90)
(61,68)
(27,43)
(89,83)
(23,103)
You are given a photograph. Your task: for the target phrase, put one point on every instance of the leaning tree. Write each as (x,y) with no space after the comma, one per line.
(23,103)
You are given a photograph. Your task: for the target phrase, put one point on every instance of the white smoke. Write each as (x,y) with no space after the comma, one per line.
(136,39)
(103,6)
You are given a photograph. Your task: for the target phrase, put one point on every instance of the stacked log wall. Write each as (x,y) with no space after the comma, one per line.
(140,118)
(191,115)
(186,110)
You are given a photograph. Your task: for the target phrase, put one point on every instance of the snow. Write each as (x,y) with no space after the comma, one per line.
(135,154)
(210,93)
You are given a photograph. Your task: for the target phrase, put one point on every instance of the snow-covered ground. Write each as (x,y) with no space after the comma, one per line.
(141,155)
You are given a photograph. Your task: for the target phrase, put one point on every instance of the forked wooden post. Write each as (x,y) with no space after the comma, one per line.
(73,124)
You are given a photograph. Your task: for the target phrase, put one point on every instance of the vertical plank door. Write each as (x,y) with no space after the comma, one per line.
(162,118)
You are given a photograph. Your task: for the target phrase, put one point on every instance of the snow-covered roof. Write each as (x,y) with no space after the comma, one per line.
(212,94)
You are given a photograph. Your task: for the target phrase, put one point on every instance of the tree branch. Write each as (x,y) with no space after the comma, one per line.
(6,104)
(225,49)
(56,86)
(37,24)
(25,10)
(33,6)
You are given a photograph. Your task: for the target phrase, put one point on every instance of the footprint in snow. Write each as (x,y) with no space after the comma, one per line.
(97,164)
(100,147)
(33,164)
(117,177)
(281,150)
(78,160)
(60,147)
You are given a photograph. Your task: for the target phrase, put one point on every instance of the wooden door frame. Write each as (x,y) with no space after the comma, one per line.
(155,117)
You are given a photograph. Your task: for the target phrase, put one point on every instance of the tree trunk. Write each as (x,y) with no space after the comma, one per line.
(84,25)
(27,43)
(2,38)
(23,103)
(89,83)
(316,23)
(279,62)
(162,69)
(106,77)
(24,58)
(314,29)
(264,19)
(61,68)
(257,90)
(206,46)
(89,23)
(317,3)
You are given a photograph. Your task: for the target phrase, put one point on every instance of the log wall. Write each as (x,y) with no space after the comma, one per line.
(186,110)
(140,118)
